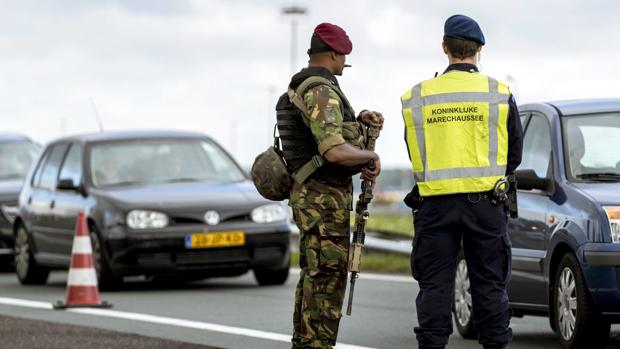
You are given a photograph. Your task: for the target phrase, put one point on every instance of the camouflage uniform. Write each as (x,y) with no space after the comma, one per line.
(321,212)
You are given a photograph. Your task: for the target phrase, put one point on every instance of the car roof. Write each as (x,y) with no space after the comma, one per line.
(129,135)
(13,137)
(586,106)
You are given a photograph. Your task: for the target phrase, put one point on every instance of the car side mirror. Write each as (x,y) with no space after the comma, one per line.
(529,180)
(67,184)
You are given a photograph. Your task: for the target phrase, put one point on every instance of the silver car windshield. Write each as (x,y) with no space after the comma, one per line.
(591,143)
(15,159)
(160,161)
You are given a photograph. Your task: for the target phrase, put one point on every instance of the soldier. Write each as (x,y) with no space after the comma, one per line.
(323,146)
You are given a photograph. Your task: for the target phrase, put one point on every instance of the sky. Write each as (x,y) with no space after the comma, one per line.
(218,66)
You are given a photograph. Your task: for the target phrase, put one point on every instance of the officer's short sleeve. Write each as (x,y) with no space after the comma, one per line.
(325,117)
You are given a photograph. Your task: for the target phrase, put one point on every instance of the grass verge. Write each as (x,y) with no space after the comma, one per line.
(377,262)
(395,223)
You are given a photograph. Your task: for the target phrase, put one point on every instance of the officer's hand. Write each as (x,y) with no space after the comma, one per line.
(369,174)
(372,118)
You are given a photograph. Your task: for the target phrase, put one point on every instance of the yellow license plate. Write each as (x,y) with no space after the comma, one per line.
(213,240)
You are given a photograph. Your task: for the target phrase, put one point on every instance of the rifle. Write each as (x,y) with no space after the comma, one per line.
(361,216)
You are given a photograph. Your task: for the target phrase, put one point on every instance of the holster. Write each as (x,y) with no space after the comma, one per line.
(412,199)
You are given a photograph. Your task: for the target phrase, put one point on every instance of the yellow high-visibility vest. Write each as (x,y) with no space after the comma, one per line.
(456,131)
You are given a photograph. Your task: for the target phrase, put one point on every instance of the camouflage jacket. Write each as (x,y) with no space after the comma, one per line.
(325,122)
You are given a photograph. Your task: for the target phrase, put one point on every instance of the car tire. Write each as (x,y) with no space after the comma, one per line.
(578,322)
(28,271)
(106,279)
(462,306)
(269,277)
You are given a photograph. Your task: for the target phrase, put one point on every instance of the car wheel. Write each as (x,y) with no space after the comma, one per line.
(28,271)
(578,322)
(462,308)
(106,279)
(267,277)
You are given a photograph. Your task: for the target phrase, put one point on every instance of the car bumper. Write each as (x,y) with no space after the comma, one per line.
(164,252)
(602,273)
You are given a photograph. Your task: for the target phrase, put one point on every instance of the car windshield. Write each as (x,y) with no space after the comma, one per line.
(16,158)
(591,143)
(143,162)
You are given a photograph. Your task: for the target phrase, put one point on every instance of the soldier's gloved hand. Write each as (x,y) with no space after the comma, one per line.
(371,118)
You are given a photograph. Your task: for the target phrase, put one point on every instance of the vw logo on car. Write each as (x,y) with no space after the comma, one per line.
(212,218)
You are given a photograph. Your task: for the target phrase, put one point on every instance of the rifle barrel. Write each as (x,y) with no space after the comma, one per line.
(351,289)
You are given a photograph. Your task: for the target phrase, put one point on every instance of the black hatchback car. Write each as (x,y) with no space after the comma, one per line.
(157,203)
(17,153)
(566,241)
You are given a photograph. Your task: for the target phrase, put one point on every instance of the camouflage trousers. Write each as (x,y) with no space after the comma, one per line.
(323,257)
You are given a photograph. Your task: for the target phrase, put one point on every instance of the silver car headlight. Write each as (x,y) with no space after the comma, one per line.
(143,219)
(269,213)
(613,215)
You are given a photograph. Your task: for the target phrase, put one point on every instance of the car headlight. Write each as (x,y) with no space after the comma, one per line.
(143,219)
(613,215)
(269,213)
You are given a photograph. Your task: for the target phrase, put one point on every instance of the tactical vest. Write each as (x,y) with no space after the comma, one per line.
(457,133)
(298,145)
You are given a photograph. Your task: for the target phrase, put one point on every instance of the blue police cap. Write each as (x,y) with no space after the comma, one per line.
(463,27)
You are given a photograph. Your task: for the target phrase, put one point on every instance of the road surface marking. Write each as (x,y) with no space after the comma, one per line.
(26,303)
(376,277)
(199,325)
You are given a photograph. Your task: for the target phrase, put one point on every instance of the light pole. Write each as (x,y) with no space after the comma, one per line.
(293,11)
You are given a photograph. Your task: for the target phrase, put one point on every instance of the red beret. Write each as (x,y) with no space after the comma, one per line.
(334,37)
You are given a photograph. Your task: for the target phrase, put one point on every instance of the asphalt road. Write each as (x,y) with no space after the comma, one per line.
(17,333)
(236,313)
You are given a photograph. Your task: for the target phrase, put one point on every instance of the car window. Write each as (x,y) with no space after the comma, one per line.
(153,161)
(537,146)
(597,154)
(524,118)
(49,173)
(589,141)
(36,181)
(72,166)
(15,159)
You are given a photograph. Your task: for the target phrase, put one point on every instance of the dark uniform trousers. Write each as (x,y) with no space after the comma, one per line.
(441,224)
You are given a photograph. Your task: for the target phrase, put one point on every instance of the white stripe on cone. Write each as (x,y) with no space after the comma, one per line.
(81,245)
(82,277)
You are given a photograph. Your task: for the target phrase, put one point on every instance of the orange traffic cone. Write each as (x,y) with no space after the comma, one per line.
(82,289)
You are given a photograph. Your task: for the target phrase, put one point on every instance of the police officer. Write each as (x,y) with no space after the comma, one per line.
(312,119)
(463,135)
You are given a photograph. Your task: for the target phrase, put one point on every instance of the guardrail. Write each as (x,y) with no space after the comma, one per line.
(372,243)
